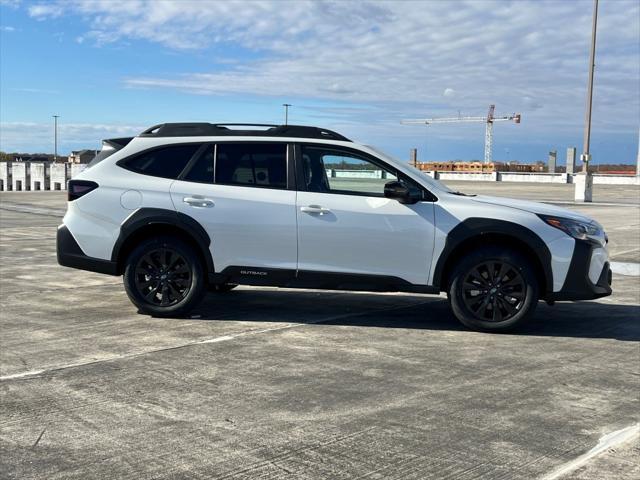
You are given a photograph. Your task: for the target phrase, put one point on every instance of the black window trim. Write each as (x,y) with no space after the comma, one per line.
(290,168)
(290,180)
(122,162)
(401,176)
(192,162)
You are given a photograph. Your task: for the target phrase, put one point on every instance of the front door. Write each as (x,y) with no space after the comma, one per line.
(346,225)
(239,193)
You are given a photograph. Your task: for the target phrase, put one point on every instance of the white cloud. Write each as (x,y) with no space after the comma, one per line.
(10,3)
(408,59)
(43,11)
(35,90)
(6,28)
(35,137)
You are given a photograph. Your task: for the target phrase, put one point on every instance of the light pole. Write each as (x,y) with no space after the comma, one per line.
(286,112)
(584,185)
(55,138)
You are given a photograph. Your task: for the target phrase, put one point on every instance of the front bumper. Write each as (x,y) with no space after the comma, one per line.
(578,285)
(71,255)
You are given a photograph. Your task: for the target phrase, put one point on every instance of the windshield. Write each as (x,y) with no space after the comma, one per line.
(431,182)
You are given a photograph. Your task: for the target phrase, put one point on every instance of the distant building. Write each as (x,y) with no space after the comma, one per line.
(32,158)
(479,167)
(82,156)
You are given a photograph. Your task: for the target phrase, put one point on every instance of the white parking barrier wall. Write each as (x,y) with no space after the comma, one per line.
(5,177)
(612,179)
(39,176)
(21,179)
(76,168)
(58,176)
(472,176)
(534,177)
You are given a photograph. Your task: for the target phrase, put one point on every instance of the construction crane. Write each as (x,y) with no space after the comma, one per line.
(489,120)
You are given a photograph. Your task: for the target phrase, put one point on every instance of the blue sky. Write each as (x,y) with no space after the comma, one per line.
(112,68)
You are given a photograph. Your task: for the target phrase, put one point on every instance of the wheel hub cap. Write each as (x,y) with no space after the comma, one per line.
(163,277)
(493,291)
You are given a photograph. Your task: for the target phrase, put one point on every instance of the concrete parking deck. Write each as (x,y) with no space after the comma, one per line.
(274,383)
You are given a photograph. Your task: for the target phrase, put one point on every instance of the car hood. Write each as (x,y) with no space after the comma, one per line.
(533,207)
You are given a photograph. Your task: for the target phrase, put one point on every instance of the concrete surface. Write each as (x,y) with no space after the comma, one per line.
(274,383)
(619,462)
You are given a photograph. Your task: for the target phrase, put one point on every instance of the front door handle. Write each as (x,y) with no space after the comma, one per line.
(197,201)
(315,209)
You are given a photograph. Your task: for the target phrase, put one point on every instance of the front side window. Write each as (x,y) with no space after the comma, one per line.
(165,162)
(252,165)
(335,171)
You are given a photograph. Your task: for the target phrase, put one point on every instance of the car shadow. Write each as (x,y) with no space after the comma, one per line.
(586,319)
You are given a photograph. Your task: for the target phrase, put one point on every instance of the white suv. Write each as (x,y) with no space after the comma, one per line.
(188,207)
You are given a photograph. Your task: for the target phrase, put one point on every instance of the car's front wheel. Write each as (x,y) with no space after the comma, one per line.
(493,289)
(164,277)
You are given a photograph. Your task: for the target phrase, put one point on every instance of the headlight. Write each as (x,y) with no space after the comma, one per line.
(576,229)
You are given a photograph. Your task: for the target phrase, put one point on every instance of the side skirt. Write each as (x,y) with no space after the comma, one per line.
(287,278)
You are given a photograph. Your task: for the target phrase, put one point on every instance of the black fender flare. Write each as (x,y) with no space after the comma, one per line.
(477,228)
(158,216)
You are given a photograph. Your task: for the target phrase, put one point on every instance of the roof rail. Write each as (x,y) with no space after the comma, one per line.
(221,129)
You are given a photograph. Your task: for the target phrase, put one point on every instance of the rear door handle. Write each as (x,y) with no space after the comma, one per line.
(197,201)
(315,209)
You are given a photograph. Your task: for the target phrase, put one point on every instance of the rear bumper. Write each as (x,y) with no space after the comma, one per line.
(71,255)
(578,285)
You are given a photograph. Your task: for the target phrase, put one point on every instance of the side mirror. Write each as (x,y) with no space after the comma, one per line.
(402,192)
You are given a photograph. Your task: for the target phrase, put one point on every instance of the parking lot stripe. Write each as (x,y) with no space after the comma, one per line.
(626,268)
(49,212)
(607,441)
(224,338)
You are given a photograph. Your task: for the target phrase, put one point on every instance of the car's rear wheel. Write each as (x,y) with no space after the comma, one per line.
(164,277)
(493,289)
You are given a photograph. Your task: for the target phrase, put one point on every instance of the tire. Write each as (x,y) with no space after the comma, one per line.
(164,277)
(222,287)
(493,289)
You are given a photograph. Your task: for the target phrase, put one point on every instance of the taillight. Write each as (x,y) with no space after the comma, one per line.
(78,188)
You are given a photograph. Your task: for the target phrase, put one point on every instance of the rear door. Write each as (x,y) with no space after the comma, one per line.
(242,195)
(346,225)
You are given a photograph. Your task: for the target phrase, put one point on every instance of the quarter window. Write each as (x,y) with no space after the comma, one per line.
(166,162)
(252,165)
(336,171)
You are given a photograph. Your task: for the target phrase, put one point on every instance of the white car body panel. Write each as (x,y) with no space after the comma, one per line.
(453,209)
(94,220)
(365,235)
(599,257)
(561,251)
(248,226)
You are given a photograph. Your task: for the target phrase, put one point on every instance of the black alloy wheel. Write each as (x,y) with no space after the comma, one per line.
(163,277)
(494,291)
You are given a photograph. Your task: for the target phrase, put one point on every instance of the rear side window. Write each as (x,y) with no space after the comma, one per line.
(202,170)
(166,162)
(252,165)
